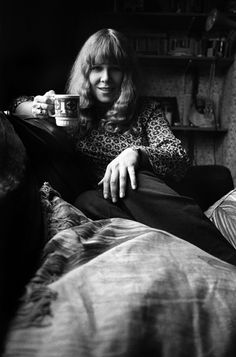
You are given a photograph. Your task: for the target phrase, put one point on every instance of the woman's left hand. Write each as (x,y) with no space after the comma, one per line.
(117,172)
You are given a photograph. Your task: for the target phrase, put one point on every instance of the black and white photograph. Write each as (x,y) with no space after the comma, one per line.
(118,178)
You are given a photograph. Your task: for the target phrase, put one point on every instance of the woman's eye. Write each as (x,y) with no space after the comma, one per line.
(96,68)
(115,69)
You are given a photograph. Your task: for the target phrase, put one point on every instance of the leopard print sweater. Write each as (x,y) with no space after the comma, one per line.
(166,155)
(168,158)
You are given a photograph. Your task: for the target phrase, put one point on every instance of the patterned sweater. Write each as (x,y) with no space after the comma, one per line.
(167,157)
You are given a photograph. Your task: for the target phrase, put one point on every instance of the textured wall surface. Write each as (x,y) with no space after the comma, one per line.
(229,119)
(204,147)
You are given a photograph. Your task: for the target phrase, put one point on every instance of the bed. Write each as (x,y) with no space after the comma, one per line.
(115,287)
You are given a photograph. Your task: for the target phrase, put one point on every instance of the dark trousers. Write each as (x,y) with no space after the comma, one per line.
(157,205)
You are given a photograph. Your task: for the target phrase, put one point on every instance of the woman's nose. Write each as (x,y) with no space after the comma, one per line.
(105,75)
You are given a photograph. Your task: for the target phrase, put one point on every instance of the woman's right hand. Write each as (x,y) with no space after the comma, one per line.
(43,105)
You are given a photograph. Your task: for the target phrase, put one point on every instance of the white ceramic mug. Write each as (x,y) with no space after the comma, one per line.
(66,108)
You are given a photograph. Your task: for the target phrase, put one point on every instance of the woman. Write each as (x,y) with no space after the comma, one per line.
(133,156)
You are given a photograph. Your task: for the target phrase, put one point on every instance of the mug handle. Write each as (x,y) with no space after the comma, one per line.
(50,114)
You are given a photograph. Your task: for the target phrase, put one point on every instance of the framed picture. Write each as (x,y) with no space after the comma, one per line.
(169,106)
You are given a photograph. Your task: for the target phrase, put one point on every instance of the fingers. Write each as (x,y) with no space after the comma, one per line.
(51,92)
(132,177)
(46,98)
(40,99)
(43,104)
(106,184)
(110,183)
(122,181)
(40,105)
(115,180)
(39,109)
(49,96)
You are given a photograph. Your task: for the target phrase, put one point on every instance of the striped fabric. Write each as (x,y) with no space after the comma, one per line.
(117,288)
(223,214)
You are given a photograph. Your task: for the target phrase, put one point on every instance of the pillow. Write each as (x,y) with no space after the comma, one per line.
(58,213)
(223,214)
(53,156)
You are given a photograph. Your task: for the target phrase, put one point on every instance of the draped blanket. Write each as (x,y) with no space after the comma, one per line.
(116,287)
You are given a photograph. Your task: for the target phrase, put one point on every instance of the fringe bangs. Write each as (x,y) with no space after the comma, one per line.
(108,49)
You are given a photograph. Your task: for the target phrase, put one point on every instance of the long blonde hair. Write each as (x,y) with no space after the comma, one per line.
(111,45)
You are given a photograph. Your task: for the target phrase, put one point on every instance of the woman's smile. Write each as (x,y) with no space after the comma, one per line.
(105,80)
(106,89)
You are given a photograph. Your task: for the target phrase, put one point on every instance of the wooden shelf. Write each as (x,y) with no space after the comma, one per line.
(158,20)
(199,129)
(222,62)
(188,21)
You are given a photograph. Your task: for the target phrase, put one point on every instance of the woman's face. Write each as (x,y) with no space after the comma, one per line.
(105,80)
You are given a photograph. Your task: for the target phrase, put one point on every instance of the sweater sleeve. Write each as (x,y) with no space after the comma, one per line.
(18,100)
(167,156)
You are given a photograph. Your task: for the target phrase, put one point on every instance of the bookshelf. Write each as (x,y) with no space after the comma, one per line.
(172,34)
(185,61)
(170,40)
(177,44)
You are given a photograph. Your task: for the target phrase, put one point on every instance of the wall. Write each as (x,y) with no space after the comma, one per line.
(207,147)
(39,42)
(229,119)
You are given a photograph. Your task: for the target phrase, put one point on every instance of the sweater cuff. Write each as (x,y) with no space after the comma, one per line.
(18,101)
(144,162)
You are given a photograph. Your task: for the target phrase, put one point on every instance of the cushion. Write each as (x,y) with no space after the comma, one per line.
(52,156)
(21,225)
(12,158)
(119,288)
(58,213)
(223,214)
(206,184)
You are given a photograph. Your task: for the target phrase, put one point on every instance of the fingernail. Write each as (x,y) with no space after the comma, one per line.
(122,195)
(105,196)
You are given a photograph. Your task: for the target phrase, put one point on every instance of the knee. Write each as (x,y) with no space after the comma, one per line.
(92,204)
(85,199)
